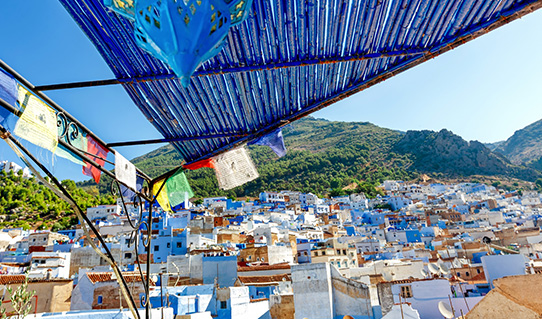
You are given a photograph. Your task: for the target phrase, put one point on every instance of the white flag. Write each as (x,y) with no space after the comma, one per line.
(234,168)
(125,171)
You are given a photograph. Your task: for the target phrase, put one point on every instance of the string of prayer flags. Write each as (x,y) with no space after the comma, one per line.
(100,152)
(209,162)
(274,140)
(234,168)
(38,124)
(8,93)
(125,171)
(175,191)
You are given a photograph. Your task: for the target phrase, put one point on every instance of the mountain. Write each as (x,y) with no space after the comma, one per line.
(448,153)
(525,146)
(493,146)
(326,156)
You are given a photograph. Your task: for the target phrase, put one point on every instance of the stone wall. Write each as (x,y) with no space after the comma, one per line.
(282,306)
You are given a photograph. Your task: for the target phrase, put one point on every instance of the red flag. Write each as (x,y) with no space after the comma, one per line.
(199,164)
(101,153)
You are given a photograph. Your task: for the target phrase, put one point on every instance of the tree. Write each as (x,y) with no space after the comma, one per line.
(21,300)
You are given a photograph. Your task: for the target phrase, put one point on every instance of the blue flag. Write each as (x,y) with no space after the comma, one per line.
(273,140)
(8,93)
(128,193)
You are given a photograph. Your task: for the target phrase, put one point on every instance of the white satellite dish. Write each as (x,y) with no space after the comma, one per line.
(433,268)
(424,272)
(444,269)
(445,310)
(387,276)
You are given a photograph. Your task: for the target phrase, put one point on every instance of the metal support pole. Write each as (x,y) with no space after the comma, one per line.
(239,69)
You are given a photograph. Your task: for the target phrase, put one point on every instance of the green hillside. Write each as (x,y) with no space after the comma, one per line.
(325,156)
(28,204)
(525,146)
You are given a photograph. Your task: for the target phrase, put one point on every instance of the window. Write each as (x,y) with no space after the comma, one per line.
(128,255)
(478,270)
(223,304)
(100,300)
(42,261)
(344,252)
(179,245)
(315,253)
(156,248)
(467,273)
(305,253)
(168,245)
(406,291)
(338,251)
(324,253)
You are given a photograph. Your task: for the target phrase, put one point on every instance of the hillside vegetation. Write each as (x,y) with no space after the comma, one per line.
(525,146)
(26,203)
(338,157)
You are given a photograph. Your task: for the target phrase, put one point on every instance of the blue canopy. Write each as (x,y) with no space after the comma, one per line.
(287,60)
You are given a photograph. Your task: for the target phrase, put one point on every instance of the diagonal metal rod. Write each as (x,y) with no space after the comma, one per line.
(249,68)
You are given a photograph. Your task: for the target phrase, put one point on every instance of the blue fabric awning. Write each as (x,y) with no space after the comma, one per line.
(288,59)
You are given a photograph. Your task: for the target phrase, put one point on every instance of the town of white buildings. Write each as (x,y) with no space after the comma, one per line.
(294,255)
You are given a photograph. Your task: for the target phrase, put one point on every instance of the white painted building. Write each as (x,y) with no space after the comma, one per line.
(271,197)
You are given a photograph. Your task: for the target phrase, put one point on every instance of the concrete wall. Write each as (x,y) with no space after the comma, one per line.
(280,254)
(313,296)
(187,266)
(107,314)
(513,297)
(223,268)
(53,295)
(498,266)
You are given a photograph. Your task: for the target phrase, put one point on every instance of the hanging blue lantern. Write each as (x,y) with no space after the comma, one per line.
(182,33)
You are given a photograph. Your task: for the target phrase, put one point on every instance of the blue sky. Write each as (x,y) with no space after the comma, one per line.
(484,90)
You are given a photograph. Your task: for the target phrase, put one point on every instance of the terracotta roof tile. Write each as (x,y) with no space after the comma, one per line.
(263,267)
(11,279)
(95,277)
(248,280)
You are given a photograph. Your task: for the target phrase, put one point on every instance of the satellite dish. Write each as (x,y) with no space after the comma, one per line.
(433,268)
(424,272)
(387,276)
(445,310)
(444,269)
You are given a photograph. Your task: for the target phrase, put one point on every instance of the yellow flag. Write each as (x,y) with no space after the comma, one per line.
(38,122)
(162,198)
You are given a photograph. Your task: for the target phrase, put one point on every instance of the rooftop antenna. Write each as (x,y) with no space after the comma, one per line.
(446,310)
